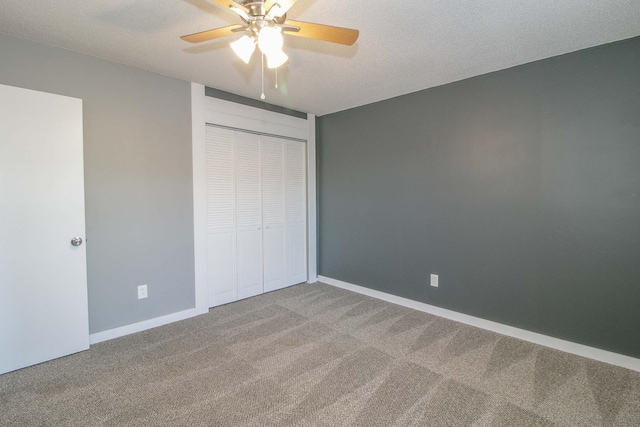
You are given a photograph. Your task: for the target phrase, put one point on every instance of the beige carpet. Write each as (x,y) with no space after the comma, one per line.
(318,355)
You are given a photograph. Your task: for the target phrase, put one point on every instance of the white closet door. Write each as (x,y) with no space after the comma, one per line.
(221,216)
(273,213)
(295,213)
(248,215)
(257,218)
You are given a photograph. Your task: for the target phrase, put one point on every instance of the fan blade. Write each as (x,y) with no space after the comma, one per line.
(227,4)
(204,36)
(244,15)
(323,32)
(278,7)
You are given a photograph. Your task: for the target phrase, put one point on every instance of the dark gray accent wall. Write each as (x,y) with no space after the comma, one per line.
(138,177)
(520,188)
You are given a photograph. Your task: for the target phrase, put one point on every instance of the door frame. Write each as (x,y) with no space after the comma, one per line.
(215,111)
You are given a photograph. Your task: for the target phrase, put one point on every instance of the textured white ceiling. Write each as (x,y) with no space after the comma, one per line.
(403,46)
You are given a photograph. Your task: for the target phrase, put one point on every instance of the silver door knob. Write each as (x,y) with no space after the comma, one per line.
(76,241)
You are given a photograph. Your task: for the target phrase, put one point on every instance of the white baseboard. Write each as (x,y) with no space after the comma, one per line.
(144,325)
(555,343)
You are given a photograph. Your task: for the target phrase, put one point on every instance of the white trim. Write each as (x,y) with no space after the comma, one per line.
(312,245)
(239,116)
(544,340)
(142,326)
(198,153)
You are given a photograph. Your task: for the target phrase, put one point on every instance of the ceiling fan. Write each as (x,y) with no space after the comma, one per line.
(264,22)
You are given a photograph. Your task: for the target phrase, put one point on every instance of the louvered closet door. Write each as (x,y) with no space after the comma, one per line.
(295,212)
(256,205)
(221,216)
(248,215)
(273,213)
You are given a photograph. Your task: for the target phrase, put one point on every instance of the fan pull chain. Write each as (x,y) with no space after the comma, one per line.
(262,95)
(276,77)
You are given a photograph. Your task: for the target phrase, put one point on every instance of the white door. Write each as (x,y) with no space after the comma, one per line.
(43,277)
(248,215)
(273,213)
(296,212)
(221,216)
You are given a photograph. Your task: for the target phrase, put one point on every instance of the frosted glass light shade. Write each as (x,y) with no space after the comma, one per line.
(244,47)
(270,40)
(276,58)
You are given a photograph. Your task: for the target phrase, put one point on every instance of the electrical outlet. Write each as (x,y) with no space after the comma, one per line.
(434,280)
(142,291)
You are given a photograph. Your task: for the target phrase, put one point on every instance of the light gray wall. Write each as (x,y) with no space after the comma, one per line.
(520,188)
(138,177)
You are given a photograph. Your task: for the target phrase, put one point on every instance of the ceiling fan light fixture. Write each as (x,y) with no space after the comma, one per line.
(244,47)
(264,23)
(270,40)
(276,58)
